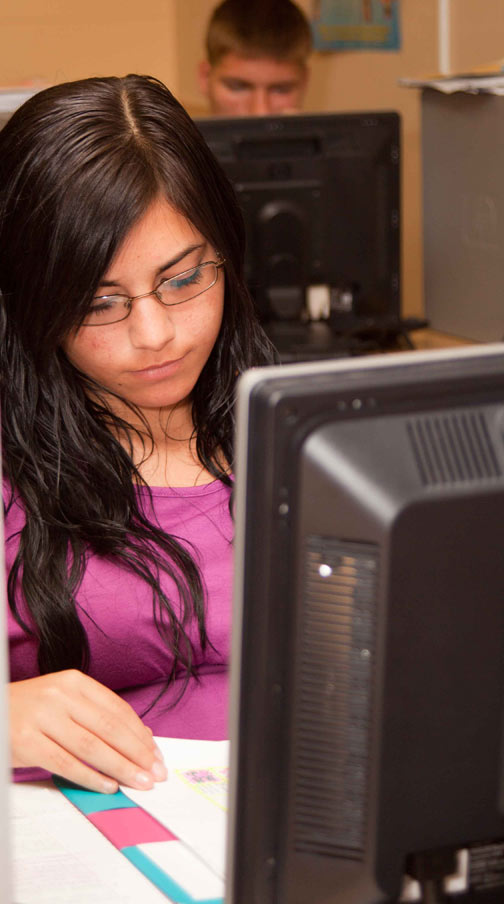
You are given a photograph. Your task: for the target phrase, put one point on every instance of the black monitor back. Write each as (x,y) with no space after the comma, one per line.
(368,668)
(320,197)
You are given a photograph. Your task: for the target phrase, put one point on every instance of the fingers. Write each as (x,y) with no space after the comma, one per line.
(102,717)
(123,732)
(54,758)
(114,752)
(72,725)
(113,711)
(90,749)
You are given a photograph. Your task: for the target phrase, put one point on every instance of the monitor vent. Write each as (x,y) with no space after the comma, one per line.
(453,448)
(334,696)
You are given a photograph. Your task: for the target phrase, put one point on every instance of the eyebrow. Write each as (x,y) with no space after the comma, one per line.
(233,82)
(107,283)
(236,79)
(290,84)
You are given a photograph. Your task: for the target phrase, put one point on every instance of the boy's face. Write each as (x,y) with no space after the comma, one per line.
(258,86)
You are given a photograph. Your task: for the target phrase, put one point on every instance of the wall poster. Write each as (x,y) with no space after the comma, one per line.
(355,24)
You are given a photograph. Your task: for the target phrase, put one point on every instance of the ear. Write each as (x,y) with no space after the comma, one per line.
(204,70)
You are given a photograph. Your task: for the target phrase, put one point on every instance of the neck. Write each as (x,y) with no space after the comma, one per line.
(175,464)
(167,457)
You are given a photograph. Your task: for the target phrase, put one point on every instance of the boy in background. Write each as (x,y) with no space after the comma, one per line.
(257,53)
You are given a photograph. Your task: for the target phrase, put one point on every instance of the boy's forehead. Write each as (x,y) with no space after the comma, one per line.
(258,68)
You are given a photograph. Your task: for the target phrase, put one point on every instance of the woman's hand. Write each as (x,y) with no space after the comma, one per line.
(72,725)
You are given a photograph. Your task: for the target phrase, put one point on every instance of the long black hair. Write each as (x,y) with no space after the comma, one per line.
(79,164)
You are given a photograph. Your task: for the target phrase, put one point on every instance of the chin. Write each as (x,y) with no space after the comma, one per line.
(162,400)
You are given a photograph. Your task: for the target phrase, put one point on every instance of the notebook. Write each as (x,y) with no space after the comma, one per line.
(175,833)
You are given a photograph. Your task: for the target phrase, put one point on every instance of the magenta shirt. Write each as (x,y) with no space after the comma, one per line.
(126,652)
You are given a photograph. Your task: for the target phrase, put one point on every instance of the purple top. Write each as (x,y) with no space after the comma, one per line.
(126,652)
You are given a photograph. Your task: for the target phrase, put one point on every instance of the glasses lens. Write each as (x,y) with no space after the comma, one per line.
(176,290)
(188,284)
(108,309)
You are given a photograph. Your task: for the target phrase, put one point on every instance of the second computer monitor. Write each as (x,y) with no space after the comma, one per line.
(320,198)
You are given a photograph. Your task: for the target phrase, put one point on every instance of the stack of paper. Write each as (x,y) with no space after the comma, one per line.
(485,79)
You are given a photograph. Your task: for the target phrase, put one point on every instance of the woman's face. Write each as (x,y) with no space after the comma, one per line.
(154,357)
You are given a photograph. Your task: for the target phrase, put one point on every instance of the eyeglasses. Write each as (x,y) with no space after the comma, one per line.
(176,290)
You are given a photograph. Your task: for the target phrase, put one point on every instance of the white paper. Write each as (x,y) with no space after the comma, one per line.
(180,863)
(194,813)
(59,857)
(485,84)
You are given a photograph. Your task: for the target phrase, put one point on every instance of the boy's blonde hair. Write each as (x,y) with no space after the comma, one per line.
(259,28)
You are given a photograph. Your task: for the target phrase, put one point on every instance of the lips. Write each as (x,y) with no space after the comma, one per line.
(158,371)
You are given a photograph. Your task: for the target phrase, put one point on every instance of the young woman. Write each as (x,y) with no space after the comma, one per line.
(124,322)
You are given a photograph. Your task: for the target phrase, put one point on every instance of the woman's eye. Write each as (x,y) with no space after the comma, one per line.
(107,302)
(98,306)
(185,279)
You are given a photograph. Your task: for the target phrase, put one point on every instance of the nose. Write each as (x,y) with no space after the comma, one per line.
(260,102)
(150,323)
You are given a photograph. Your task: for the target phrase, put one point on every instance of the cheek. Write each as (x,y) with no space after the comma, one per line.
(286,101)
(231,100)
(204,327)
(217,320)
(89,352)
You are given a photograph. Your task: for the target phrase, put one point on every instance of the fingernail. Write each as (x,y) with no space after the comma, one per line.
(157,753)
(159,771)
(109,787)
(144,780)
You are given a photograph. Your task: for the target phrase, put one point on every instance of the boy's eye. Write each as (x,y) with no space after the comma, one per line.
(282,89)
(233,85)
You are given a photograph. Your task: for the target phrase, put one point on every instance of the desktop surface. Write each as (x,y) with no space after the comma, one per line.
(316,340)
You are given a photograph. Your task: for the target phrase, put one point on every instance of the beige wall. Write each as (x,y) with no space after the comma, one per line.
(59,40)
(477,33)
(363,80)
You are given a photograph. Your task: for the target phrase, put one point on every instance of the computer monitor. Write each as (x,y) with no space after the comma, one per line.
(368,650)
(320,195)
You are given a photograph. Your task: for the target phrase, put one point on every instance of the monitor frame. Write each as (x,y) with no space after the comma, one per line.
(278,391)
(320,195)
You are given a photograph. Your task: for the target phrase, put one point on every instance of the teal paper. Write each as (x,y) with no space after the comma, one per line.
(92,801)
(161,879)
